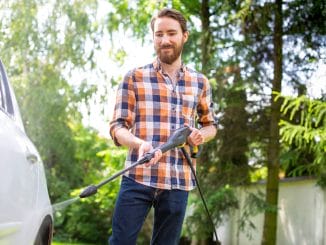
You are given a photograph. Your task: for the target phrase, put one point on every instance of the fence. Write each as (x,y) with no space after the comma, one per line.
(301,215)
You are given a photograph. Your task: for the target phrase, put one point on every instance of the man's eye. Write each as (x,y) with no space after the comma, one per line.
(159,35)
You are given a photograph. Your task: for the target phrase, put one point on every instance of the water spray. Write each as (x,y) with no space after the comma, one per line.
(62,205)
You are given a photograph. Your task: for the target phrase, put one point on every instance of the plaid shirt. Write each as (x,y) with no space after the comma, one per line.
(149,105)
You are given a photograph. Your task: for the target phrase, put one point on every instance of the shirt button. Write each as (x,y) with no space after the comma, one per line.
(172,127)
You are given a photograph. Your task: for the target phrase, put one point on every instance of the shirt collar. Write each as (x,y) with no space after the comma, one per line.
(158,67)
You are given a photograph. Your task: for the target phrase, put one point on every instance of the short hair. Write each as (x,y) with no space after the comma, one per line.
(171,13)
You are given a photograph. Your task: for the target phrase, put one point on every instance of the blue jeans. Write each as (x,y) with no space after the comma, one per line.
(132,206)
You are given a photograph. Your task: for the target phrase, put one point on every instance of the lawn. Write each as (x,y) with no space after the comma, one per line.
(69,243)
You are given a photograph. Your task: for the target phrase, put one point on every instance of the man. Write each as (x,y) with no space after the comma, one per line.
(153,101)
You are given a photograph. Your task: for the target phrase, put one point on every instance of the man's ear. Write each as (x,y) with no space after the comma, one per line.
(185,36)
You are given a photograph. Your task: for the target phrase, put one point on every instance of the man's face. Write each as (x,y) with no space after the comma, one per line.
(168,39)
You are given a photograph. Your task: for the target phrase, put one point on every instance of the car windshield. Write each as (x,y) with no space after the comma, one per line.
(2,97)
(5,96)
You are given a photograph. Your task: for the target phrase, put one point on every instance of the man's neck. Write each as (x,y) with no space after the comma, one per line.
(173,68)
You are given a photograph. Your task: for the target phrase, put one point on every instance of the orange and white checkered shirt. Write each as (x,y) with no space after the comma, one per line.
(149,105)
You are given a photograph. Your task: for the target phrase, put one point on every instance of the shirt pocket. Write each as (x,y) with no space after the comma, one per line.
(189,104)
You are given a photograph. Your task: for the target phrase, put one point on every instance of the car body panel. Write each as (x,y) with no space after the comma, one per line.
(24,199)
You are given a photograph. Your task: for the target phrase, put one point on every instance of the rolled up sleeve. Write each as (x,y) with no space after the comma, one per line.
(124,110)
(205,106)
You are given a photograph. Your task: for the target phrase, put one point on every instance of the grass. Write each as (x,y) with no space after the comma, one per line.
(68,243)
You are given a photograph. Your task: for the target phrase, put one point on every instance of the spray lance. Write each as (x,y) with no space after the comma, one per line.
(177,139)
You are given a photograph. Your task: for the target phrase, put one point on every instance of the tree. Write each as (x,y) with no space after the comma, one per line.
(272,185)
(240,34)
(303,132)
(40,54)
(231,42)
(43,44)
(261,23)
(89,220)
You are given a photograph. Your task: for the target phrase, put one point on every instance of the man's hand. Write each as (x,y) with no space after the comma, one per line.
(195,138)
(147,147)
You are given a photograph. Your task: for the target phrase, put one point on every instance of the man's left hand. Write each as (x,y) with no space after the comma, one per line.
(195,138)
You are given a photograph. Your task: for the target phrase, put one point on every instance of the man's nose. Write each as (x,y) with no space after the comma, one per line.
(165,39)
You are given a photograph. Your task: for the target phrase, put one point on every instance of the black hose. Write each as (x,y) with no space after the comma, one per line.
(185,153)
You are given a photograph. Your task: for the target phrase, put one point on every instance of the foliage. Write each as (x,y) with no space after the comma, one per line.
(45,44)
(90,219)
(232,43)
(254,204)
(303,131)
(42,43)
(220,203)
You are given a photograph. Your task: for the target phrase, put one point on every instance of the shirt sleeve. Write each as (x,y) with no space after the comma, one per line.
(205,110)
(124,114)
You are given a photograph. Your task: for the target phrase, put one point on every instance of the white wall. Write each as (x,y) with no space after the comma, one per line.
(301,215)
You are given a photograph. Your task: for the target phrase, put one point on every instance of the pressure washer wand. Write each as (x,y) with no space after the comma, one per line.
(178,138)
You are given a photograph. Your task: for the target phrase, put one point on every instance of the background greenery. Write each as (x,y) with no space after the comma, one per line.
(250,50)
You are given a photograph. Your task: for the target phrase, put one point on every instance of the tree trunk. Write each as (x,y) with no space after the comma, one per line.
(272,186)
(205,56)
(206,35)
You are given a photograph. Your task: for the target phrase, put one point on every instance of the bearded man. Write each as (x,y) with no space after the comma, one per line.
(152,102)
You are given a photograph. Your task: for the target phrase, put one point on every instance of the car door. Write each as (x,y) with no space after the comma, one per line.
(18,167)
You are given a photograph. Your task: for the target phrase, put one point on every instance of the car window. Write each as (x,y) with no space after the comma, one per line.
(2,97)
(5,97)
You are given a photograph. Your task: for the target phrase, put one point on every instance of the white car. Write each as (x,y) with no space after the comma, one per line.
(25,208)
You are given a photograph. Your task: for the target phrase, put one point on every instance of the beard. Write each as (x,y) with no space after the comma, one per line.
(169,58)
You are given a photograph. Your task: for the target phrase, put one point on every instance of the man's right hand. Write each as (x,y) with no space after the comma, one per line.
(147,147)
